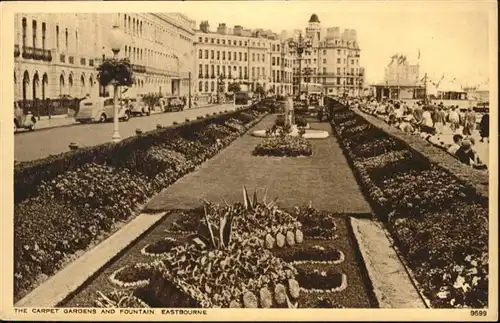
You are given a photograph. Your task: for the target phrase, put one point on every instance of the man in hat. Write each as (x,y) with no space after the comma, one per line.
(466,154)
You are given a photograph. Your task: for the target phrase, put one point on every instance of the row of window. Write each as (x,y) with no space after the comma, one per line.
(158,34)
(212,71)
(34,33)
(219,41)
(234,56)
(148,57)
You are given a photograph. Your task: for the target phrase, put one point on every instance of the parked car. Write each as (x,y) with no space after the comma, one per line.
(23,120)
(100,110)
(173,103)
(137,107)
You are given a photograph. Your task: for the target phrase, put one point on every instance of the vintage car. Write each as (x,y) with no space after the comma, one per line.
(101,110)
(137,106)
(173,103)
(23,120)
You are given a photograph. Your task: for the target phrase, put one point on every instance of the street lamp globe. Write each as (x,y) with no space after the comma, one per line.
(116,39)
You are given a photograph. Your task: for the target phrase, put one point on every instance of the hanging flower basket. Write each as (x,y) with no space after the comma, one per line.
(116,70)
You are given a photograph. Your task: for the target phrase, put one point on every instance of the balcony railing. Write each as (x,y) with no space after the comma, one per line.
(62,58)
(139,68)
(83,61)
(91,62)
(17,51)
(200,76)
(71,59)
(36,54)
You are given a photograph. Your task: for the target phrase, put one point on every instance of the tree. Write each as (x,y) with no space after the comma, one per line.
(259,89)
(234,87)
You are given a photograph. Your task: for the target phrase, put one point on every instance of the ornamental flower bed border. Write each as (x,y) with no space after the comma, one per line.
(424,274)
(29,251)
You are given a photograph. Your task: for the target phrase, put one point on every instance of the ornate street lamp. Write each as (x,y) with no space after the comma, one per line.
(117,72)
(299,48)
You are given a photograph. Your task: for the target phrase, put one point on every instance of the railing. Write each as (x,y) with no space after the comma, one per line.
(200,76)
(83,61)
(62,58)
(71,59)
(28,52)
(139,68)
(91,62)
(34,53)
(17,51)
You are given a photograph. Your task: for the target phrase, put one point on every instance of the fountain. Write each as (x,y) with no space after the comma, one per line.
(294,129)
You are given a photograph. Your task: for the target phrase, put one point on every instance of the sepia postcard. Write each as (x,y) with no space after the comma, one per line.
(249,160)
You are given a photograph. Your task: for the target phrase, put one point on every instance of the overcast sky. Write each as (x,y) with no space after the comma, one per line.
(453,36)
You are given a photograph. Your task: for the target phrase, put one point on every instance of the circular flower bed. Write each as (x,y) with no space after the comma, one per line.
(160,247)
(314,280)
(284,146)
(137,275)
(313,255)
(317,225)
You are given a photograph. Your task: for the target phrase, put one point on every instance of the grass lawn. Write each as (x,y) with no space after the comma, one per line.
(325,179)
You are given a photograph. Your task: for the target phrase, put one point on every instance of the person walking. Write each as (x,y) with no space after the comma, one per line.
(484,127)
(439,120)
(454,119)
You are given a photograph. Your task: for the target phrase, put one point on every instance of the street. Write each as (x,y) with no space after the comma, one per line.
(40,144)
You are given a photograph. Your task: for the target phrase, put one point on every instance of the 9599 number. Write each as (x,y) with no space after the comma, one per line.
(478,313)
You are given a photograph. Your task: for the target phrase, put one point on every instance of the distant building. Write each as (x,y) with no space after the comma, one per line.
(400,72)
(241,55)
(334,60)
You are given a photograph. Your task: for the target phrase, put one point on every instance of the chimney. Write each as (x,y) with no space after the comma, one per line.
(237,30)
(222,29)
(205,26)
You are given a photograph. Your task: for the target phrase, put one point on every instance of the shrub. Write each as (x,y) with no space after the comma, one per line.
(440,224)
(284,146)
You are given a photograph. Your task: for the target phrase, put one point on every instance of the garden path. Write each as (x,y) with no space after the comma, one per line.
(325,178)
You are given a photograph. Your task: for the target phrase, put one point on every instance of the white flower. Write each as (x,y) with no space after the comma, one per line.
(458,268)
(323,273)
(459,283)
(473,263)
(442,295)
(452,302)
(475,280)
(468,258)
(473,271)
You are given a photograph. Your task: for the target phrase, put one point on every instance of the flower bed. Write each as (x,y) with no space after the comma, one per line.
(65,203)
(284,146)
(135,275)
(317,225)
(160,247)
(445,221)
(313,254)
(312,279)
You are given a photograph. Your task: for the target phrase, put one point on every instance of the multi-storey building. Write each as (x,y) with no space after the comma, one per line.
(400,72)
(333,60)
(58,54)
(239,55)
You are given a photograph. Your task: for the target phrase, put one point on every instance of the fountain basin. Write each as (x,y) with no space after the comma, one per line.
(309,134)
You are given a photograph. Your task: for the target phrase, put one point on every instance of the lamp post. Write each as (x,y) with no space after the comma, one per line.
(299,48)
(307,72)
(116,41)
(220,83)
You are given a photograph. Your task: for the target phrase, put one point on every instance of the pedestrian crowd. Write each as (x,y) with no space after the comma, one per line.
(429,121)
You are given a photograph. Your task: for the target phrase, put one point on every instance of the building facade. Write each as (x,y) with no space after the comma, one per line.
(333,60)
(399,72)
(58,54)
(240,55)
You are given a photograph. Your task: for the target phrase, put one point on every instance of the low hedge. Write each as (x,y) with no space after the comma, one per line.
(438,221)
(86,192)
(28,175)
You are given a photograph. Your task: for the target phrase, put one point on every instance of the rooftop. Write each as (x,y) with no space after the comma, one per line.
(314,18)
